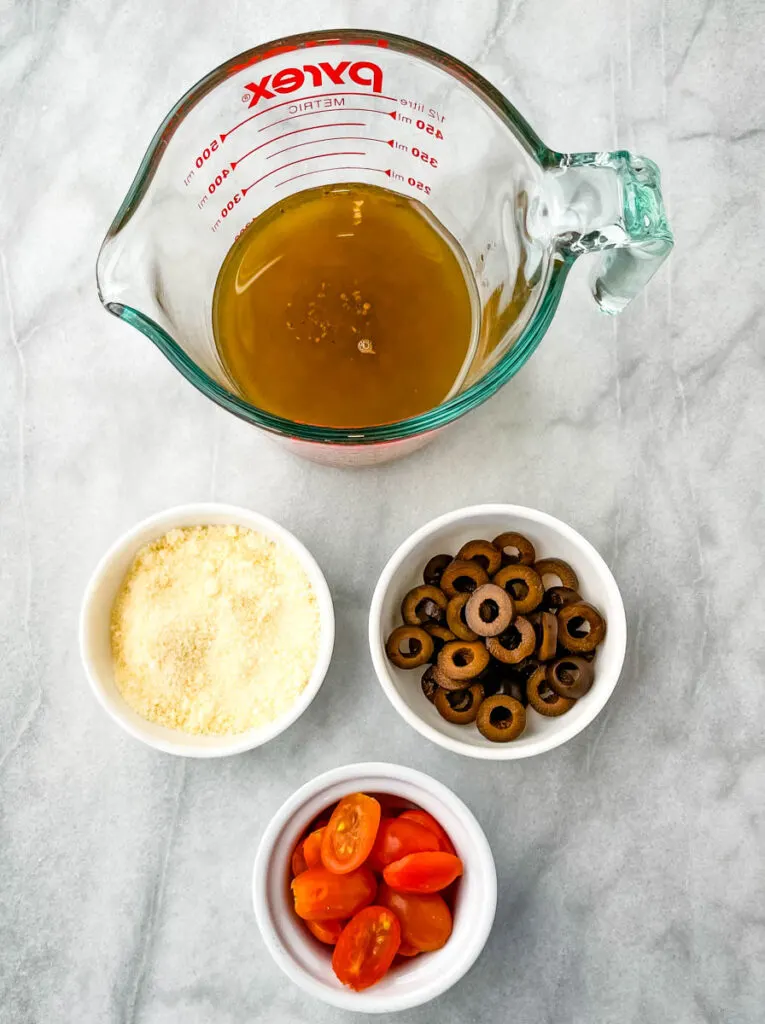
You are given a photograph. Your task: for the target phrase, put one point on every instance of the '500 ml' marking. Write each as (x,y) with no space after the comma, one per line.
(362,72)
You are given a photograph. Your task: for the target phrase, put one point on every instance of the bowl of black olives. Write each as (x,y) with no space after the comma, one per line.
(497,631)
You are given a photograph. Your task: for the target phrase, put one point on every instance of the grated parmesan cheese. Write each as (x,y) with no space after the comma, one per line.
(215,630)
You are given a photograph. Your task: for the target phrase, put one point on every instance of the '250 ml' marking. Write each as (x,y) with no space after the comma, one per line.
(362,72)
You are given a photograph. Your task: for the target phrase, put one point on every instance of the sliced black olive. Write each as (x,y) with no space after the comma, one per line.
(571,676)
(455,618)
(446,682)
(459,706)
(481,551)
(461,577)
(501,718)
(524,585)
(423,605)
(434,568)
(546,626)
(515,644)
(409,647)
(558,597)
(580,627)
(463,660)
(441,635)
(490,610)
(515,548)
(429,684)
(543,698)
(560,570)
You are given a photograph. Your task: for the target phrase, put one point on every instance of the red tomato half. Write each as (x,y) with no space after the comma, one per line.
(321,895)
(312,848)
(350,833)
(366,947)
(396,837)
(298,863)
(428,821)
(425,919)
(326,931)
(420,872)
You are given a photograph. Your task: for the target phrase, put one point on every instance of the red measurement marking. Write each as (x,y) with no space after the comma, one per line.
(306,113)
(331,138)
(292,163)
(317,96)
(323,170)
(296,131)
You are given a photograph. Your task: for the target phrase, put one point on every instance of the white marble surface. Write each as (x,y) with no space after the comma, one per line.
(631,860)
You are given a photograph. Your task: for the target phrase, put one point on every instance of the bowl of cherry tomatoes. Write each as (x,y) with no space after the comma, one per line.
(374,888)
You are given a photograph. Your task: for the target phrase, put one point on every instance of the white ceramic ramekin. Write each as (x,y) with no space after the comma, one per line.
(95,637)
(552,539)
(305,960)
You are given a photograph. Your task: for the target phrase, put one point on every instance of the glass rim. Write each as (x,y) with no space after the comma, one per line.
(430,420)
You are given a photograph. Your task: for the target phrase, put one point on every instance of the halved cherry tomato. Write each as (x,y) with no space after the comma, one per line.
(425,919)
(366,947)
(350,833)
(396,837)
(312,848)
(428,821)
(420,872)
(298,863)
(321,895)
(326,931)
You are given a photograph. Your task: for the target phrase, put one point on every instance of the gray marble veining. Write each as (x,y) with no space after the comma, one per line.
(630,860)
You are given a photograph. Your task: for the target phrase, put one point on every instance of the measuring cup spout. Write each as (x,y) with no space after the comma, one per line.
(610,204)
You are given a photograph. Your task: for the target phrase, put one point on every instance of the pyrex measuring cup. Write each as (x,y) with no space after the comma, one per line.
(353,106)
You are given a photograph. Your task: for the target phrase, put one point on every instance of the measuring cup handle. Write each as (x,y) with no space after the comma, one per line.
(610,203)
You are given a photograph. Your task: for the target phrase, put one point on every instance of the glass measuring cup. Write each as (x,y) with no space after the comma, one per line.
(358,106)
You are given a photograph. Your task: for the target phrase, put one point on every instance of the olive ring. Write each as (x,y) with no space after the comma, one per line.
(459,706)
(509,542)
(461,576)
(557,567)
(487,555)
(571,618)
(501,718)
(423,605)
(461,660)
(489,610)
(515,644)
(524,584)
(420,647)
(571,677)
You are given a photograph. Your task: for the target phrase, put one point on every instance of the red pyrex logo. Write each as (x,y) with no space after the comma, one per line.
(362,72)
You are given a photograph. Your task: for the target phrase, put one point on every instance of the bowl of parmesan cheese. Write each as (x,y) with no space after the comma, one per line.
(206,630)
